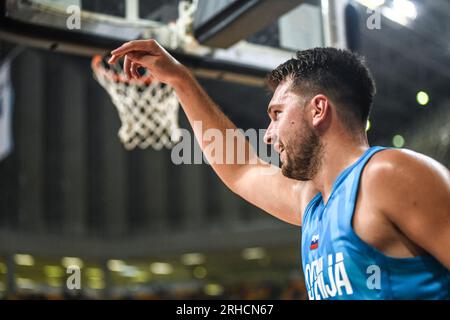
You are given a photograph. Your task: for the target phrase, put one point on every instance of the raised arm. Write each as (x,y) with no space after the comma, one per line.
(256,181)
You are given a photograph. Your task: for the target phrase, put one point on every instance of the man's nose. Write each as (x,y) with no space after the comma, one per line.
(269,136)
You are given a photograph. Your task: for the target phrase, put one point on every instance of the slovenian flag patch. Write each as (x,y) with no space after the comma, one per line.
(314,242)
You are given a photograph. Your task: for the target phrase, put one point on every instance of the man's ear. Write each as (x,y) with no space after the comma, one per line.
(320,110)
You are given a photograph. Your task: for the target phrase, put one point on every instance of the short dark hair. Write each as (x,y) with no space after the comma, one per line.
(339,74)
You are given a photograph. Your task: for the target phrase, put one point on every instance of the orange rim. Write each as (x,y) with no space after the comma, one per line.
(97,66)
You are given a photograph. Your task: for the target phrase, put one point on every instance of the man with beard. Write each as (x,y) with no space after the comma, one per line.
(375,221)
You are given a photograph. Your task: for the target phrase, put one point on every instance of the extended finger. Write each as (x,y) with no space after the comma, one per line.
(127,67)
(113,59)
(133,55)
(148,46)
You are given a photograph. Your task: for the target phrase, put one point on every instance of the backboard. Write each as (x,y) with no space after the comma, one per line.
(81,24)
(257,33)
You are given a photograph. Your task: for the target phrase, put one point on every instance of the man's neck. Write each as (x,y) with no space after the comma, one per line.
(337,156)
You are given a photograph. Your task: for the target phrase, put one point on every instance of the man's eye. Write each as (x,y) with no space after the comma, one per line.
(277,113)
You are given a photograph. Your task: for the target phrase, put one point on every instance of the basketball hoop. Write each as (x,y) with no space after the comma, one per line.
(147,109)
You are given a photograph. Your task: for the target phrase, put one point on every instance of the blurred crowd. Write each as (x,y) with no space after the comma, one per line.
(293,290)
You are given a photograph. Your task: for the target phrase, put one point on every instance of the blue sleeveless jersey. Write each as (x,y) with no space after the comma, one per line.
(337,264)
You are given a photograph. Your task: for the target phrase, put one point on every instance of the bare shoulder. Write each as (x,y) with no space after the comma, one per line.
(393,164)
(400,174)
(411,191)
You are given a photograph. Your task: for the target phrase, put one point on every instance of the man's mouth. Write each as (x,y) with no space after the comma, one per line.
(282,154)
(279,148)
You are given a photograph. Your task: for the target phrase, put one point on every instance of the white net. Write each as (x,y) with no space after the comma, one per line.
(148,110)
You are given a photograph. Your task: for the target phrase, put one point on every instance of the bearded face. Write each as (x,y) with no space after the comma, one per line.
(294,138)
(302,154)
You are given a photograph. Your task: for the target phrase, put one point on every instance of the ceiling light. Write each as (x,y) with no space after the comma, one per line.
(405,7)
(24,283)
(24,260)
(213,289)
(192,259)
(423,98)
(72,261)
(254,253)
(53,271)
(200,272)
(161,268)
(116,265)
(94,273)
(398,141)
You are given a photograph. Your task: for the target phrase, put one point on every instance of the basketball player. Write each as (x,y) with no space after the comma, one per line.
(375,221)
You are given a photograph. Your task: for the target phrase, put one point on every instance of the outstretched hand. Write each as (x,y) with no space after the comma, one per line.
(148,54)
